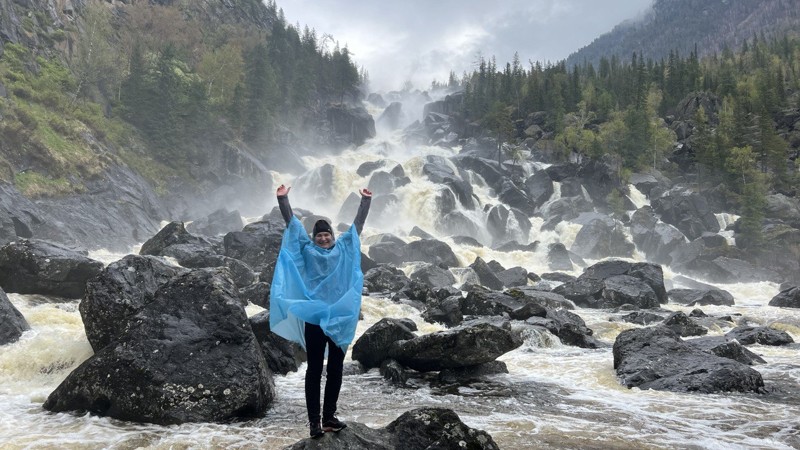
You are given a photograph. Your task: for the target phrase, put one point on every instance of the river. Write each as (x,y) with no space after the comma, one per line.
(554,396)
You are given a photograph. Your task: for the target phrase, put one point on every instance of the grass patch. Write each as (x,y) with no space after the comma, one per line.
(35,185)
(155,172)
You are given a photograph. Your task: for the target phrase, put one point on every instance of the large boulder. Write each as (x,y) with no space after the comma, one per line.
(422,428)
(689,212)
(282,356)
(699,297)
(218,222)
(655,238)
(651,274)
(12,322)
(657,358)
(600,239)
(350,124)
(506,225)
(431,251)
(372,348)
(625,289)
(446,311)
(683,325)
(385,278)
(485,274)
(174,241)
(432,276)
(190,355)
(118,293)
(258,244)
(490,303)
(41,267)
(467,345)
(558,257)
(747,335)
(731,349)
(568,327)
(439,170)
(788,298)
(539,188)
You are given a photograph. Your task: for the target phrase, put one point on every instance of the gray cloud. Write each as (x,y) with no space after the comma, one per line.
(421,41)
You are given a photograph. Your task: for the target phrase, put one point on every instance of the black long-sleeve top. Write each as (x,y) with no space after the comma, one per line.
(361,215)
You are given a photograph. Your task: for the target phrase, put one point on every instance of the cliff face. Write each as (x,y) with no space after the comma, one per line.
(62,176)
(683,25)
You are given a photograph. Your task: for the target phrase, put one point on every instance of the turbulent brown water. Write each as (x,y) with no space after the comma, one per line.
(555,396)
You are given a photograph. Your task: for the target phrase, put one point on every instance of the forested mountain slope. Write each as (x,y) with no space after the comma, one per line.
(682,25)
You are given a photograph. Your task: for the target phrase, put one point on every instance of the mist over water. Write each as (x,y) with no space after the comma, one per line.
(554,396)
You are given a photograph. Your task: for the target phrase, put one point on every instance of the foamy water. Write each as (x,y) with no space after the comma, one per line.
(554,396)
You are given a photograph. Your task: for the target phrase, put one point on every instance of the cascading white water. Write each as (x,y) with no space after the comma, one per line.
(554,396)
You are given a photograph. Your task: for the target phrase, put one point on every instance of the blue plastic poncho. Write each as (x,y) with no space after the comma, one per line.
(316,285)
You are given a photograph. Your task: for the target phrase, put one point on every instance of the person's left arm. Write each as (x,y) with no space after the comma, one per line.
(363,210)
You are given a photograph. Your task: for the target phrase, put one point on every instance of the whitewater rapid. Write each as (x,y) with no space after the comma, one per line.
(554,396)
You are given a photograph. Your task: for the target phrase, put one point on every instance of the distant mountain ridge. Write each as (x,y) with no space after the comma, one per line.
(710,25)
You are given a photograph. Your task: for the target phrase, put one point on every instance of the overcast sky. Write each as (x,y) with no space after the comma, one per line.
(420,41)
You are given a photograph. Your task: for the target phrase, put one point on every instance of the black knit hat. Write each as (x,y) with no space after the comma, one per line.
(322,226)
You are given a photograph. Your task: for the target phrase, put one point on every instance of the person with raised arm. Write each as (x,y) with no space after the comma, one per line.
(315,300)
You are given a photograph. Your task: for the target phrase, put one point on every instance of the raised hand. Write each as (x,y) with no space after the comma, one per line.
(365,192)
(283,190)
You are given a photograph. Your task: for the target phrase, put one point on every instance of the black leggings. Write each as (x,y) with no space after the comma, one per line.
(316,340)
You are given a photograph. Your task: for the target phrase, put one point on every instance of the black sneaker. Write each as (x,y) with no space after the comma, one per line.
(333,424)
(316,430)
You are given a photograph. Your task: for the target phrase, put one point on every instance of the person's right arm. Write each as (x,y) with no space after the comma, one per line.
(283,203)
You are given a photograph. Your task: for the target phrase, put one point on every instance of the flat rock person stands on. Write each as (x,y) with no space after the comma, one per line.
(315,300)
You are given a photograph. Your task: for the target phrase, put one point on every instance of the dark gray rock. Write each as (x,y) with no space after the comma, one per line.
(515,197)
(12,322)
(585,292)
(256,293)
(681,324)
(258,244)
(120,291)
(689,212)
(282,356)
(393,372)
(657,358)
(218,222)
(41,267)
(725,348)
(372,348)
(513,277)
(539,188)
(467,345)
(699,297)
(600,239)
(506,224)
(433,276)
(642,318)
(788,298)
(568,327)
(558,257)
(190,355)
(485,274)
(446,311)
(387,252)
(548,300)
(759,335)
(349,125)
(423,428)
(431,251)
(656,239)
(651,274)
(625,289)
(385,278)
(501,304)
(463,375)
